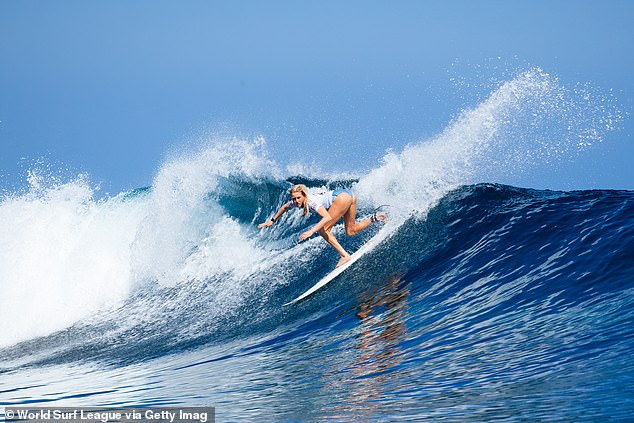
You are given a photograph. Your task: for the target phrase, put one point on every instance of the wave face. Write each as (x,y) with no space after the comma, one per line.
(482,301)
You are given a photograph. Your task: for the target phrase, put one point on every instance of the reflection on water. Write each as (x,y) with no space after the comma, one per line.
(382,327)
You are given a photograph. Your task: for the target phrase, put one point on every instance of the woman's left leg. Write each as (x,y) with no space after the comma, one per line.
(339,207)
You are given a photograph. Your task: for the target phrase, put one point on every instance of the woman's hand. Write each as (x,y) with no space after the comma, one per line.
(306,235)
(265,224)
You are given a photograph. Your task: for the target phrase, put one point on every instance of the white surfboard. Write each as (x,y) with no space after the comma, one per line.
(337,271)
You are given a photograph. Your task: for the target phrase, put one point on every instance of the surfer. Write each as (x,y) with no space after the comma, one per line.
(331,206)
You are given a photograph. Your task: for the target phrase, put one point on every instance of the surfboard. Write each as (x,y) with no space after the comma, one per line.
(337,271)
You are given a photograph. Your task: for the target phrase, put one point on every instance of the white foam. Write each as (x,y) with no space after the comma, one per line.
(181,218)
(63,256)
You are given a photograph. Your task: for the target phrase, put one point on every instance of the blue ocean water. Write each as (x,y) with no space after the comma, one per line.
(482,302)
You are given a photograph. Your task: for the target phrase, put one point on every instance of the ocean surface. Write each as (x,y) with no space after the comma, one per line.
(482,301)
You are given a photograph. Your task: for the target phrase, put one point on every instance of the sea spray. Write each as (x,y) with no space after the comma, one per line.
(524,123)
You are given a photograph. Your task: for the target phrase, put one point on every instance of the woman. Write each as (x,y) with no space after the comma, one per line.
(331,206)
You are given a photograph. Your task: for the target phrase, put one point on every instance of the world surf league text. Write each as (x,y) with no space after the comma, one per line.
(110,415)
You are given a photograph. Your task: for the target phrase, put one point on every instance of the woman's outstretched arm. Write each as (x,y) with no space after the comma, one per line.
(277,215)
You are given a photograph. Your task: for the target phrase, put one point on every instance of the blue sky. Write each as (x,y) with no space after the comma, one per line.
(111,87)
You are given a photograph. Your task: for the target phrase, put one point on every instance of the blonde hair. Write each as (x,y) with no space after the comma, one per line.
(302,189)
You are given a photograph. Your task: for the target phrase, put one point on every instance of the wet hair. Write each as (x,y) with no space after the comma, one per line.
(301,188)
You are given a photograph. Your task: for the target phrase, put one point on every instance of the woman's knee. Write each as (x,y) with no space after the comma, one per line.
(351,231)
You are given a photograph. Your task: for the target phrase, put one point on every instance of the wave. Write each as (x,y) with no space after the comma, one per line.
(485,254)
(181,262)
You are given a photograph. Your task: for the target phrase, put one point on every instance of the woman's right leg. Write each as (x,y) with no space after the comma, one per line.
(349,218)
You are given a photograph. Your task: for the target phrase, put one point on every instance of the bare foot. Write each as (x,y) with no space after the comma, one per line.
(342,261)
